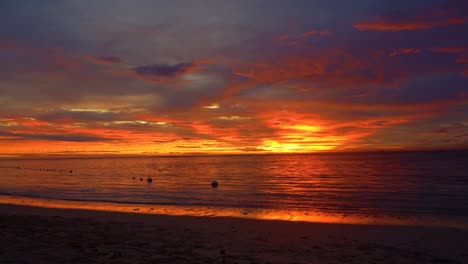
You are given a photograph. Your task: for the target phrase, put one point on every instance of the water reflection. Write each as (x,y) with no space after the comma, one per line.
(257,213)
(288,187)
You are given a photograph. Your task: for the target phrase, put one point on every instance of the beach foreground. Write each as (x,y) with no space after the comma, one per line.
(50,235)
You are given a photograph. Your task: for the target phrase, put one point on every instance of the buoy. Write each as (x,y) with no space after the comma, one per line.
(214,184)
(149,179)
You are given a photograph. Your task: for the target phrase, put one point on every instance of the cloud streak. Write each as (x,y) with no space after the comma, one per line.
(421,22)
(404,51)
(52,137)
(158,73)
(108,60)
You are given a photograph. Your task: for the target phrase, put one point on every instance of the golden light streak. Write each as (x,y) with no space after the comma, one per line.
(211,106)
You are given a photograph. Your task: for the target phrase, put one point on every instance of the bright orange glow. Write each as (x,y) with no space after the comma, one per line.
(233,88)
(263,214)
(278,147)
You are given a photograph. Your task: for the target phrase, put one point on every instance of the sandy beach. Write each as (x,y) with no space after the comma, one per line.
(51,235)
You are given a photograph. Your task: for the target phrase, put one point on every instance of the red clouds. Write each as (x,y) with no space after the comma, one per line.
(267,85)
(421,22)
(463,59)
(316,33)
(314,68)
(383,25)
(449,49)
(105,59)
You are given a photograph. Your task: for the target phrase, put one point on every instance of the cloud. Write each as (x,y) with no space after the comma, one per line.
(449,49)
(456,128)
(64,116)
(463,59)
(316,33)
(396,23)
(160,72)
(404,51)
(294,40)
(105,59)
(325,85)
(53,137)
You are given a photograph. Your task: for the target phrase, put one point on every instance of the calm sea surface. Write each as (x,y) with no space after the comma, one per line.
(431,184)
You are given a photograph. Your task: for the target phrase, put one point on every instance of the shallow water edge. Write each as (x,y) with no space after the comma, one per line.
(248,213)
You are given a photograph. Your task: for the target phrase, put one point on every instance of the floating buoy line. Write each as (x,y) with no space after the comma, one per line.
(43,169)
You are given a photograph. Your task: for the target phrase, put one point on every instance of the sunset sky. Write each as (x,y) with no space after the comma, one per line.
(185,77)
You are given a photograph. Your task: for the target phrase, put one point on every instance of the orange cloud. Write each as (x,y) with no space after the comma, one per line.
(302,132)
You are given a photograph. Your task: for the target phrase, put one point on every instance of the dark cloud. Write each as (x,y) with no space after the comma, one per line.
(158,72)
(80,116)
(53,137)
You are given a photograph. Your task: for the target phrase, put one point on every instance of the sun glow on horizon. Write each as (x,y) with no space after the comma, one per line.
(142,84)
(278,147)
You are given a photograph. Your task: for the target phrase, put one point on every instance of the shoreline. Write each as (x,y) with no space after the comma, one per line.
(242,213)
(53,235)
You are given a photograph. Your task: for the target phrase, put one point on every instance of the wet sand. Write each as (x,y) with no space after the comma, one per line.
(51,235)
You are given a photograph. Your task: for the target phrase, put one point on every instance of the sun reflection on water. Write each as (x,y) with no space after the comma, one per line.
(248,213)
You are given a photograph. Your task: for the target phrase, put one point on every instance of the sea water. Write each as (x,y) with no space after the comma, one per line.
(394,185)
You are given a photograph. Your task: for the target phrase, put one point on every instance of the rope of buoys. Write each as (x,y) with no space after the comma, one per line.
(42,169)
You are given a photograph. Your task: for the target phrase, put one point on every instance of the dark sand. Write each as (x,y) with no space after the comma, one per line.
(44,235)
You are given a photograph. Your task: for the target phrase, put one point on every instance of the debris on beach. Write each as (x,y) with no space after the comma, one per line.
(214,184)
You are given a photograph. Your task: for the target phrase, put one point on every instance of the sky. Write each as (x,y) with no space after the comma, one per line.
(246,76)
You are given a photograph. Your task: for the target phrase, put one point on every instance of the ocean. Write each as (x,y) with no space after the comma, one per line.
(425,187)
